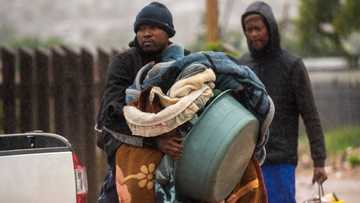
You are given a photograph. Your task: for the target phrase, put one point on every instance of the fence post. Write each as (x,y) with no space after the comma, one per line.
(103,62)
(42,86)
(116,51)
(87,112)
(71,94)
(102,65)
(58,64)
(8,91)
(26,60)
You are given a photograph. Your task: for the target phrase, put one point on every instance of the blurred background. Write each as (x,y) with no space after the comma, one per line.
(54,56)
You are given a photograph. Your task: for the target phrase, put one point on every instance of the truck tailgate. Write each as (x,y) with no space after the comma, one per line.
(41,176)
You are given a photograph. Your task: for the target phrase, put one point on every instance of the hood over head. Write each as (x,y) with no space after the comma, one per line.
(264,10)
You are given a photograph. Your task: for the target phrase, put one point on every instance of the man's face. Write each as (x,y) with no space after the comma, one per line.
(256,31)
(151,38)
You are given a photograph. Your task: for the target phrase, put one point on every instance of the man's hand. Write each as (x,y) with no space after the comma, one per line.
(319,175)
(170,145)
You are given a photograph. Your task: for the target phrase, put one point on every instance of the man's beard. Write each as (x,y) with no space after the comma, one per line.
(157,49)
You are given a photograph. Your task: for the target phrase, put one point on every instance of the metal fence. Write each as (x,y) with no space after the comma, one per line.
(338,103)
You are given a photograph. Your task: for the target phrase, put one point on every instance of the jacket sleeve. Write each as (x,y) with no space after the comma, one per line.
(307,108)
(117,80)
(120,76)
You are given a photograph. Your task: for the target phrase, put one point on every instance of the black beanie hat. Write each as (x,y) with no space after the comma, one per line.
(155,14)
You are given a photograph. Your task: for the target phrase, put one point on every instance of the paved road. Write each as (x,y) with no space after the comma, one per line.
(345,186)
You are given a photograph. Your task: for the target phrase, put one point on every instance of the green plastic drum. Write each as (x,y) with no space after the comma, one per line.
(217,150)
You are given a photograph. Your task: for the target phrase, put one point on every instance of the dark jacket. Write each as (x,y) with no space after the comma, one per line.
(120,75)
(287,82)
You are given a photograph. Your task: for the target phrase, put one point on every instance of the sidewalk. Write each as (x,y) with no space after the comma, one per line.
(346,185)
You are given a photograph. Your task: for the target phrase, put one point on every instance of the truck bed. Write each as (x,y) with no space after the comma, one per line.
(36,169)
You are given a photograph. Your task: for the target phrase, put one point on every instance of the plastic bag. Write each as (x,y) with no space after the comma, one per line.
(324,198)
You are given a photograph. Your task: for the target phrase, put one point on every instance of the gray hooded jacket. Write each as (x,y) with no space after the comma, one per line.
(287,82)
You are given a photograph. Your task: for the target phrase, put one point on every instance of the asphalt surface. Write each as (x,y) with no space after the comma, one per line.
(345,184)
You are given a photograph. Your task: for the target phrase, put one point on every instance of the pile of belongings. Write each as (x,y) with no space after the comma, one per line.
(166,96)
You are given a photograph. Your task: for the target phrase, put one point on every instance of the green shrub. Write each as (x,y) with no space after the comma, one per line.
(339,140)
(354,160)
(228,49)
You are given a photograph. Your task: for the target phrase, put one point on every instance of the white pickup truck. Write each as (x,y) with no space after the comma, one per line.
(40,168)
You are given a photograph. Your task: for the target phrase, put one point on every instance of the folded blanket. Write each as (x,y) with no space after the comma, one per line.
(185,98)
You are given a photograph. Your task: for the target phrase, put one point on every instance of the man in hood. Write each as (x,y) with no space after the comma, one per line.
(287,82)
(153,27)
